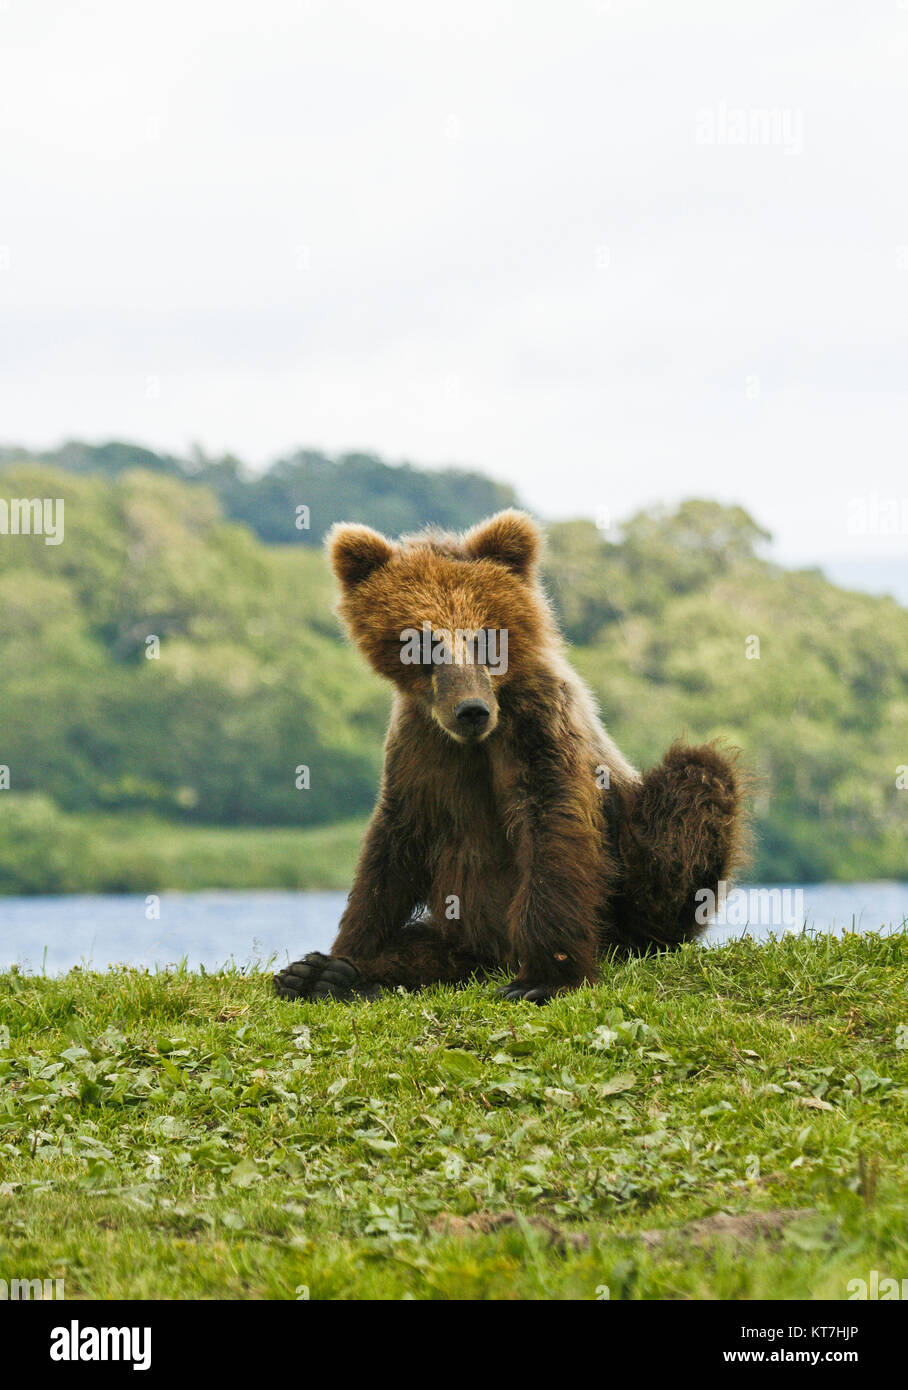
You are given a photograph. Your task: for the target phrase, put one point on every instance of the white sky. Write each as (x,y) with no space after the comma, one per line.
(480,233)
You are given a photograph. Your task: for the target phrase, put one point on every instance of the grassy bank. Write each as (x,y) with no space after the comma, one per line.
(178,1135)
(142,854)
(43,850)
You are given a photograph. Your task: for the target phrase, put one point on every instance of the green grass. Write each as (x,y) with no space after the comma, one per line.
(148,854)
(180,1135)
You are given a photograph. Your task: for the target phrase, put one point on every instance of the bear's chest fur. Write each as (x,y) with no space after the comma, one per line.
(462,807)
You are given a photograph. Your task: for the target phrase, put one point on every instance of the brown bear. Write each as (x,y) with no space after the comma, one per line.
(510,833)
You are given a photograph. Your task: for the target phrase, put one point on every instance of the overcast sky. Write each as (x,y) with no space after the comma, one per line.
(522,237)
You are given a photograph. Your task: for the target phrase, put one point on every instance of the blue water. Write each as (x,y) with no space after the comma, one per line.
(251,930)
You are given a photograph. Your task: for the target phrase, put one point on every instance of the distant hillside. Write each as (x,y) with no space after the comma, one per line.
(357,487)
(254,678)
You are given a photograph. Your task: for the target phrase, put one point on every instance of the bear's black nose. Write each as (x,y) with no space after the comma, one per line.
(472,715)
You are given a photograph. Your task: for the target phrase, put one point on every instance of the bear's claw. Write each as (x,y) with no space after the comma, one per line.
(533,994)
(317,976)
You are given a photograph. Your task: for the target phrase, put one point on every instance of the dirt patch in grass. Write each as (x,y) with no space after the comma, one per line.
(745,1227)
(486,1222)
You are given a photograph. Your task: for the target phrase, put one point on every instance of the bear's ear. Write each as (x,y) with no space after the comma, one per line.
(512,538)
(355,551)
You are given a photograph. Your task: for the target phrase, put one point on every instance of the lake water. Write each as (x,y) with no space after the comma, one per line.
(53,934)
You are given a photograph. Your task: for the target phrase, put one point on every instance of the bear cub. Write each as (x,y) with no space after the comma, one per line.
(510,833)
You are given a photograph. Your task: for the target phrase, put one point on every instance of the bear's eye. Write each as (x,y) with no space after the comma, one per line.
(480,648)
(411,647)
(493,649)
(486,644)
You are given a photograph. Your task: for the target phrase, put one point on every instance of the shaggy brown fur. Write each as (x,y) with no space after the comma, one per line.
(509,831)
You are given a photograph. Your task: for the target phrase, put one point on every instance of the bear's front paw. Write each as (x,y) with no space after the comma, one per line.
(317,977)
(524,989)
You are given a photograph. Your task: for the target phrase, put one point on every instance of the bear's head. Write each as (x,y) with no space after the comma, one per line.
(453,621)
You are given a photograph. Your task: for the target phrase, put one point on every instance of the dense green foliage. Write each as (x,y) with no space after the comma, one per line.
(175,1134)
(46,850)
(254,679)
